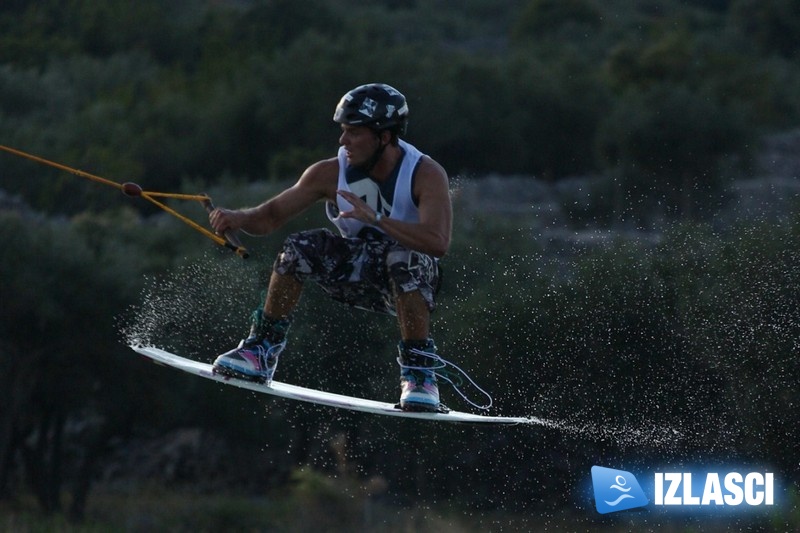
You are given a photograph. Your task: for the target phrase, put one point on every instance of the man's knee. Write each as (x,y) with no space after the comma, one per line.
(410,271)
(297,254)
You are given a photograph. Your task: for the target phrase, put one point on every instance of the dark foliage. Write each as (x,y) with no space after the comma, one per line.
(683,347)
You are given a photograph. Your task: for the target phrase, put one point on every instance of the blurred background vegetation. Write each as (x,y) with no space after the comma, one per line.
(614,286)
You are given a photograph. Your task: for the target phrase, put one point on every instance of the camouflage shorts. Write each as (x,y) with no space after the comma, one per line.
(362,272)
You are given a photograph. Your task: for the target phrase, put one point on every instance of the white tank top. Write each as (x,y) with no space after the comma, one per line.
(400,206)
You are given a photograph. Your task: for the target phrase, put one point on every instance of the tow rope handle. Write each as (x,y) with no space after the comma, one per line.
(231,237)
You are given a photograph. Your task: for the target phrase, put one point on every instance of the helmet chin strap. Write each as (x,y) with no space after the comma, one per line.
(376,155)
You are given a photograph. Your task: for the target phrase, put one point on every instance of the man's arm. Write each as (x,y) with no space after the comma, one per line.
(317,182)
(432,234)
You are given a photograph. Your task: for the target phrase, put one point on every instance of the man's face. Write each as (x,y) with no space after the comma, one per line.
(359,142)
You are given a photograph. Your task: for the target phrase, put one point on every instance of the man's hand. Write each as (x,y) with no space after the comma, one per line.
(223,220)
(361,211)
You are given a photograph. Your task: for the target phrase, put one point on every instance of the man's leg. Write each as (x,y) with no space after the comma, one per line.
(313,254)
(413,316)
(257,356)
(419,389)
(282,296)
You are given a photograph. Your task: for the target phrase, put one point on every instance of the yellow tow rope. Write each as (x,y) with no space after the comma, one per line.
(133,190)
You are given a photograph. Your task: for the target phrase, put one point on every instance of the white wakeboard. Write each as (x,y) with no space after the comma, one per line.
(293,392)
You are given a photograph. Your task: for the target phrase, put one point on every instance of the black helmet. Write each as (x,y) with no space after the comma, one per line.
(376,105)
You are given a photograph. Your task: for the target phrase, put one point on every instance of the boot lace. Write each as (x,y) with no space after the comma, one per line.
(442,369)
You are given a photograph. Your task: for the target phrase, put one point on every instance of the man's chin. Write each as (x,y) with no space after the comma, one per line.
(356,163)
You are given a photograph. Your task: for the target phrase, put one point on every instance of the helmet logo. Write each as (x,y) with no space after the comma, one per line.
(368,107)
(389,110)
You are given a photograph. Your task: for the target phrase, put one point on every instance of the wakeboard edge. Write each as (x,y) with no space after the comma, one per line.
(294,392)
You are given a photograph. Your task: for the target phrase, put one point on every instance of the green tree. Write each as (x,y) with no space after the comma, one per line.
(549,17)
(667,145)
(773,25)
(65,380)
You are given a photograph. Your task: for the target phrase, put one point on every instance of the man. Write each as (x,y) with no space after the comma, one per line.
(392,207)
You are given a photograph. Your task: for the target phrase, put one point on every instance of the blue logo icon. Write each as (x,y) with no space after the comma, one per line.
(616,490)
